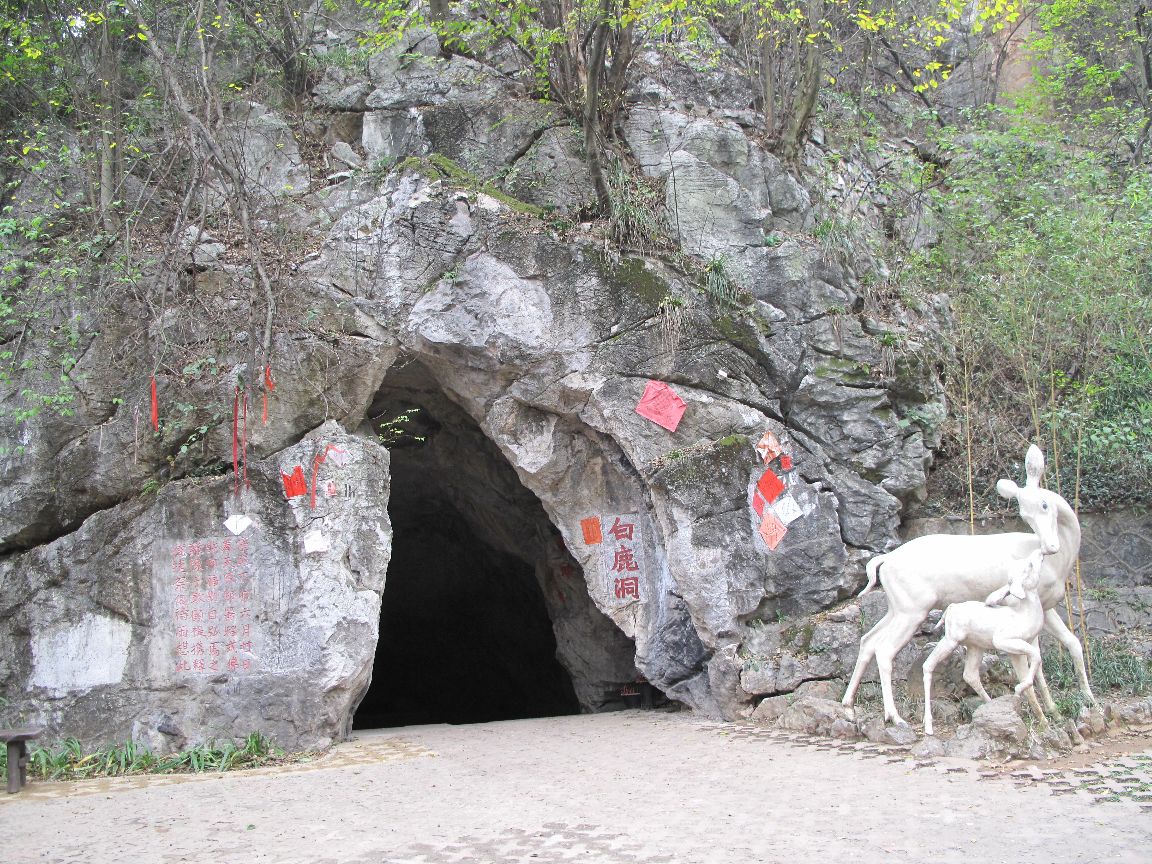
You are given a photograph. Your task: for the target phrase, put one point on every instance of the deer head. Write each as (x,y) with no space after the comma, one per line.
(1038,507)
(1025,578)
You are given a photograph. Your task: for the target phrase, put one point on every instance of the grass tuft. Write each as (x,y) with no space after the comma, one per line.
(70,762)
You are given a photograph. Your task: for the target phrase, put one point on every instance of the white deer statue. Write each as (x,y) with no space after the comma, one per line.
(997,624)
(936,570)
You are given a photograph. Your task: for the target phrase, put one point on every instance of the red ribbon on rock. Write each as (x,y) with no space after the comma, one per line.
(317,461)
(236,440)
(155,407)
(244,438)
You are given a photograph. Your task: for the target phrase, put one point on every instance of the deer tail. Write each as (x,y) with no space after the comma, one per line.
(872,569)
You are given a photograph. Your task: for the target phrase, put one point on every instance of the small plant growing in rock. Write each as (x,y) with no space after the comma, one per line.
(718,282)
(394,432)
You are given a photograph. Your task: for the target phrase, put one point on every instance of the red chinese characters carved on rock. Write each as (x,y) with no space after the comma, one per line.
(621,530)
(628,587)
(212,606)
(623,557)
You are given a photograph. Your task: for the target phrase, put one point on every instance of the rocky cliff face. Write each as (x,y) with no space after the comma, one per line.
(590,417)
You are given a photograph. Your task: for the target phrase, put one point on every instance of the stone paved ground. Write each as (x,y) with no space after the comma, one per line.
(608,789)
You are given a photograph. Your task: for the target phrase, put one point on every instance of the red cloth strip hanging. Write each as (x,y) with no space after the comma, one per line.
(236,440)
(244,438)
(155,407)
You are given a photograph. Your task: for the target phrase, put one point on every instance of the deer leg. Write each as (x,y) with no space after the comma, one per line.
(888,645)
(945,647)
(1027,652)
(1022,666)
(867,652)
(1056,626)
(972,658)
(1041,684)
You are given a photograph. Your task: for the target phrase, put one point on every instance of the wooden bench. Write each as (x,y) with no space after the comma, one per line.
(17,739)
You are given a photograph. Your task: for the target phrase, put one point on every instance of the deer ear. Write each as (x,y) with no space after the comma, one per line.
(1007,489)
(1034,465)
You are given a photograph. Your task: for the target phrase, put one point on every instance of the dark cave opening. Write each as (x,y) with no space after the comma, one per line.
(465,634)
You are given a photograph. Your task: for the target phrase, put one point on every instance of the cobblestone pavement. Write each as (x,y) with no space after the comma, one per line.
(1104,779)
(370,751)
(627,787)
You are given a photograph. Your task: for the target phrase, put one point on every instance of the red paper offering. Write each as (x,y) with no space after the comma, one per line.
(769,447)
(661,405)
(772,530)
(294,483)
(770,486)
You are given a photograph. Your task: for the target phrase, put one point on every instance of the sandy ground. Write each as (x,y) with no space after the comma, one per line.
(627,787)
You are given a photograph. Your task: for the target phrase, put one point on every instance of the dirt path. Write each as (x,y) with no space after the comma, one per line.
(628,787)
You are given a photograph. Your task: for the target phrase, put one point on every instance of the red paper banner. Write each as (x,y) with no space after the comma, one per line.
(591,529)
(661,405)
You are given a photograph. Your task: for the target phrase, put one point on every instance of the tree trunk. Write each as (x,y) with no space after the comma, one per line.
(806,92)
(107,110)
(591,120)
(768,83)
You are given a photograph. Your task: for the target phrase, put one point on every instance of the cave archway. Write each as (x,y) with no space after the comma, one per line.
(471,607)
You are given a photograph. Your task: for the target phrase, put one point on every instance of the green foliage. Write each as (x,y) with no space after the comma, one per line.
(70,762)
(720,286)
(636,219)
(1118,669)
(395,432)
(550,38)
(1096,62)
(1045,254)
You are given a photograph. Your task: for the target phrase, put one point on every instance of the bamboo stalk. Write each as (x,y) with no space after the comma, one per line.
(1079,581)
(968,446)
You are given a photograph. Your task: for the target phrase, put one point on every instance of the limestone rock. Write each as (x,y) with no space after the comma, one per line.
(831,690)
(879,732)
(553,173)
(412,73)
(272,163)
(154,617)
(1090,722)
(203,249)
(815,716)
(929,747)
(527,356)
(770,710)
(1134,714)
(997,731)
(343,152)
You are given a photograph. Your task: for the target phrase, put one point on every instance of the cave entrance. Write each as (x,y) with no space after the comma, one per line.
(466,634)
